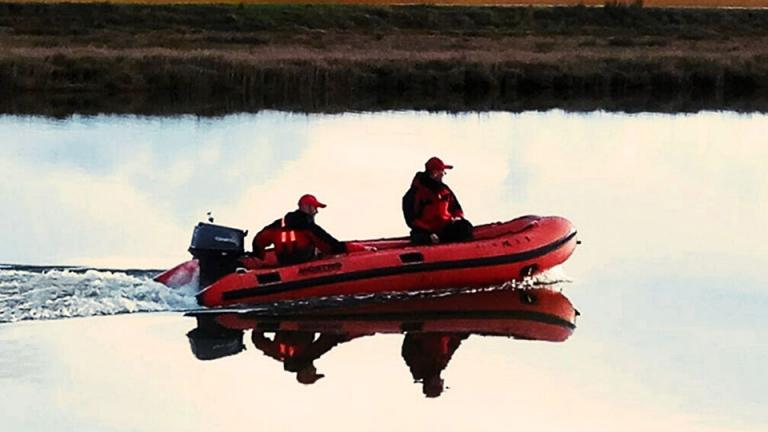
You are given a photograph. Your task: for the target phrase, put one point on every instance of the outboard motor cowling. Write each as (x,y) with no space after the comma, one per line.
(210,341)
(217,249)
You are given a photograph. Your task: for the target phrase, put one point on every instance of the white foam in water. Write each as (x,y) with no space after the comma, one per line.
(554,276)
(58,293)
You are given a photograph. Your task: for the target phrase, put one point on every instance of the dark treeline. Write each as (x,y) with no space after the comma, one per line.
(62,58)
(64,105)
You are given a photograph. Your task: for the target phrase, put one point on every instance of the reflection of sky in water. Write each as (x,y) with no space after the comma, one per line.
(108,189)
(670,279)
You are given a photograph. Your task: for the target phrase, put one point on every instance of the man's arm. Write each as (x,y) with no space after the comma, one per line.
(409,207)
(262,239)
(326,242)
(266,345)
(455,207)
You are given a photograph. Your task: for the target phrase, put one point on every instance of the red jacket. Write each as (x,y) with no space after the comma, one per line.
(296,236)
(297,348)
(429,204)
(428,354)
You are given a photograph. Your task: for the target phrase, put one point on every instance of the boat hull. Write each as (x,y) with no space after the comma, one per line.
(500,253)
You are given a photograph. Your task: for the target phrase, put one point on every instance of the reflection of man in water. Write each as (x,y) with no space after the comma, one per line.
(427,354)
(298,350)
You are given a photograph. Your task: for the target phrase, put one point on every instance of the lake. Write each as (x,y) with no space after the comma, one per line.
(669,279)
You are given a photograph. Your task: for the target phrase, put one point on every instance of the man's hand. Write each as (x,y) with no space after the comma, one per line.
(370,248)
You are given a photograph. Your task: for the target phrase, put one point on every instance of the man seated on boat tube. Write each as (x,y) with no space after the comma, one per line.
(297,238)
(431,209)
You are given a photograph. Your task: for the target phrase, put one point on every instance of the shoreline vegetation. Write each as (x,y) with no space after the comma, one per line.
(649,3)
(60,59)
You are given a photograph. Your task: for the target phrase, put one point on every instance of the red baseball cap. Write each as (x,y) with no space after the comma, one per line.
(436,164)
(310,200)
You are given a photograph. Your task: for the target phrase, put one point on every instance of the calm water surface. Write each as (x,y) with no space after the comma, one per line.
(670,279)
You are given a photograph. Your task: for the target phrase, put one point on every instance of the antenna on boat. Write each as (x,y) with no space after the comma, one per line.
(210,217)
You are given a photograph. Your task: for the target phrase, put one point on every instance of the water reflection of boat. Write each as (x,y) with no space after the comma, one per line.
(500,252)
(540,314)
(434,324)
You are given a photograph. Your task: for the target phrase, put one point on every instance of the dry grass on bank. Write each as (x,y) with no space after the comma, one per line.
(335,57)
(646,3)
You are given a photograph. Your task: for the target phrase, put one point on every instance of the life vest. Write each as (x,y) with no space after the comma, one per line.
(435,207)
(440,208)
(293,246)
(285,350)
(286,241)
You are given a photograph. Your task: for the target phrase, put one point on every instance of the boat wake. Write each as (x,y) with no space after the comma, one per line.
(37,293)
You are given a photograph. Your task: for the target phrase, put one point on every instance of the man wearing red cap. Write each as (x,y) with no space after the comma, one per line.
(297,237)
(431,209)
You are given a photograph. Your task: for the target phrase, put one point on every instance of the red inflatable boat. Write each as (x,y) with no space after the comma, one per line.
(499,253)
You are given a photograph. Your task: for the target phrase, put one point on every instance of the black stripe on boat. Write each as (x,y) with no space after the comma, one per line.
(259,291)
(412,317)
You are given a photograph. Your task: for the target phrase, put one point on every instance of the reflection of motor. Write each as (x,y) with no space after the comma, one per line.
(217,248)
(210,341)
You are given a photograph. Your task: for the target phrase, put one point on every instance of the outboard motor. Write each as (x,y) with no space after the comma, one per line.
(217,249)
(209,341)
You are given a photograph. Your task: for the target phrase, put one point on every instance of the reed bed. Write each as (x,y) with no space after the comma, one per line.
(315,58)
(647,3)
